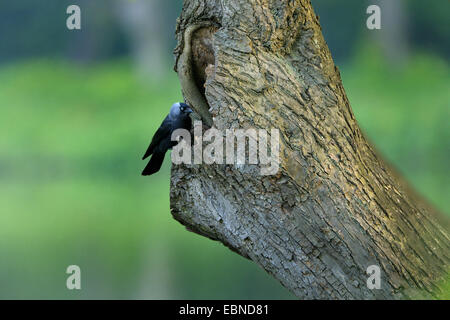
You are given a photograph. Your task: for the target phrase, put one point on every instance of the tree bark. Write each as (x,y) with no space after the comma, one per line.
(335,207)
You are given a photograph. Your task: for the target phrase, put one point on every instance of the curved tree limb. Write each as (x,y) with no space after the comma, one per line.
(184,67)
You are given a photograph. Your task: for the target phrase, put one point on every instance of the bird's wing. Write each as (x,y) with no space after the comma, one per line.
(163,131)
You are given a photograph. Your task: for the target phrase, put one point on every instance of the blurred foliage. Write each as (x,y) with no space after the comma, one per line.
(71,139)
(429,27)
(445,295)
(344,25)
(30,28)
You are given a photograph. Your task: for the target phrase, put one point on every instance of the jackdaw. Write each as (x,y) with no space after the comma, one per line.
(178,118)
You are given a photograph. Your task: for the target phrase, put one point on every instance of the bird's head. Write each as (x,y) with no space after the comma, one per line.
(179,109)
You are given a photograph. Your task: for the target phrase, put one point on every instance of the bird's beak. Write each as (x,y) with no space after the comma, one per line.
(189,110)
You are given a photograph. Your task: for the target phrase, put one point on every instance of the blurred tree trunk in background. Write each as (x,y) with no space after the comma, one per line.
(144,23)
(335,207)
(393,36)
(85,46)
(156,274)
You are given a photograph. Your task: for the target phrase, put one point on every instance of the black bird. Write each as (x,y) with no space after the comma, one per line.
(178,118)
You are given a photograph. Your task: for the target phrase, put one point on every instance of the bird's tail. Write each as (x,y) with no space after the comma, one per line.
(154,164)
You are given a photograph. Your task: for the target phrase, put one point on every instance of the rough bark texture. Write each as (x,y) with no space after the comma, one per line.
(335,207)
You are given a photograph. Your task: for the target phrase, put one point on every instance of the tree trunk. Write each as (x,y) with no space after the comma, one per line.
(144,24)
(393,36)
(334,207)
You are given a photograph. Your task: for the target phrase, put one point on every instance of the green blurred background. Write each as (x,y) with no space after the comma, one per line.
(78,109)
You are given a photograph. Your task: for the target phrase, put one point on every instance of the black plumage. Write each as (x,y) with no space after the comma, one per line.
(178,118)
